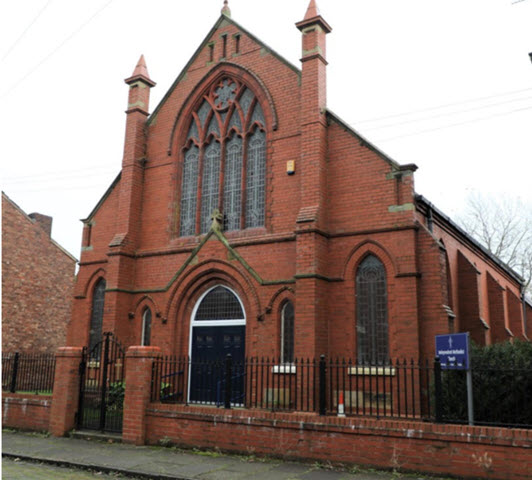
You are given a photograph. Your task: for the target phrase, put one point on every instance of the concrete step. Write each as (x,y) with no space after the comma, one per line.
(95,435)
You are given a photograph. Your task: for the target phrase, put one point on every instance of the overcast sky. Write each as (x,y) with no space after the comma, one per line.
(445,84)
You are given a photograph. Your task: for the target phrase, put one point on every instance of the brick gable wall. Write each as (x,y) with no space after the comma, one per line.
(37,285)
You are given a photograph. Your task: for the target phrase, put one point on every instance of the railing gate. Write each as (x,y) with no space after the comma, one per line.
(102,386)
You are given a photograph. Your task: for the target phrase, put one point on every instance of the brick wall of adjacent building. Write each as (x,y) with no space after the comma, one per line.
(37,283)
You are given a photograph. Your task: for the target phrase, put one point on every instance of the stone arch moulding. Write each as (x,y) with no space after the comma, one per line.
(93,279)
(203,273)
(365,248)
(224,68)
(185,295)
(144,301)
(282,294)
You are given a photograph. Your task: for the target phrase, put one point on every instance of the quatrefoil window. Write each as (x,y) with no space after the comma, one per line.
(225,93)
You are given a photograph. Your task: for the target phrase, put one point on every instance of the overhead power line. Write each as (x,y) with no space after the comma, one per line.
(55,179)
(428,130)
(447,114)
(58,189)
(15,43)
(445,105)
(57,173)
(61,45)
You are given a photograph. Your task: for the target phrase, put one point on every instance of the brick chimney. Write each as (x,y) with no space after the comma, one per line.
(44,221)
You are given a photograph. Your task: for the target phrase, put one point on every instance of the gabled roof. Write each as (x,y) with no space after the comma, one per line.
(104,197)
(223,20)
(32,221)
(363,141)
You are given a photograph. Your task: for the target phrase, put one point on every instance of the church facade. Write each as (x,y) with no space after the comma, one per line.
(249,219)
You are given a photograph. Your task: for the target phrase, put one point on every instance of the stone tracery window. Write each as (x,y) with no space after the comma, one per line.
(224,161)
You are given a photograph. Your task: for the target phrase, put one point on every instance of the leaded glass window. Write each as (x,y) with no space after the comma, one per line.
(98,299)
(214,128)
(203,112)
(372,312)
(233,184)
(189,192)
(219,304)
(210,184)
(287,333)
(245,101)
(257,115)
(226,135)
(255,179)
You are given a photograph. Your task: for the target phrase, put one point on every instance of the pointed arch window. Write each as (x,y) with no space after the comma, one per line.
(98,300)
(287,333)
(224,161)
(146,328)
(372,312)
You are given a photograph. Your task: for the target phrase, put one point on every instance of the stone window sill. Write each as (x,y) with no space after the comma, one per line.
(373,371)
(288,369)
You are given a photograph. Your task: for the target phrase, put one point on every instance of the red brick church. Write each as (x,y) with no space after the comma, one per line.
(248,218)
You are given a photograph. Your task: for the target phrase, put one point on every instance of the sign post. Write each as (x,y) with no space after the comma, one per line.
(453,352)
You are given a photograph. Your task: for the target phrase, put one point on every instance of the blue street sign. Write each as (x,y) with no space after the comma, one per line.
(453,350)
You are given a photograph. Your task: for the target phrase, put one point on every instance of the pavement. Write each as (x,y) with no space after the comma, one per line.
(23,450)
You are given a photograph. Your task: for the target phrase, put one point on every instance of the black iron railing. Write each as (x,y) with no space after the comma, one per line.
(28,373)
(397,389)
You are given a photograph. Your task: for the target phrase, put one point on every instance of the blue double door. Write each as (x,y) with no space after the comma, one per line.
(208,375)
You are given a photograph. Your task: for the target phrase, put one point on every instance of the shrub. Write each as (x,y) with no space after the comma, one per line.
(116,395)
(502,386)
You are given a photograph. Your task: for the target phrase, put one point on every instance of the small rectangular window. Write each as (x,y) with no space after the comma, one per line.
(88,235)
(224,46)
(237,43)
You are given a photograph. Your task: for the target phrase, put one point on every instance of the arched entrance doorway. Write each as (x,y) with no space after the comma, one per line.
(217,328)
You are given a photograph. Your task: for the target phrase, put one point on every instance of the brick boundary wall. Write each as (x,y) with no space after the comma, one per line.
(138,379)
(27,412)
(463,451)
(66,390)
